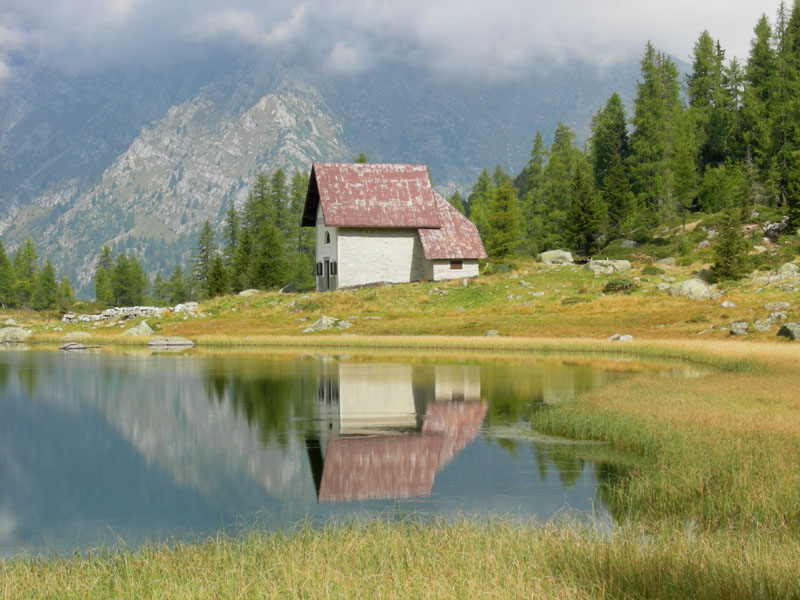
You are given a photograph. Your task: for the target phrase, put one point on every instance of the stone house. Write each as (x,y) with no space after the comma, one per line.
(384,223)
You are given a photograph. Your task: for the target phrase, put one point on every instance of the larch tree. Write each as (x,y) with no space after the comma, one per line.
(504,230)
(203,256)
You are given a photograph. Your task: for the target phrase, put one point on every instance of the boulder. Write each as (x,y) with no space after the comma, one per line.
(342,324)
(72,347)
(323,323)
(14,335)
(790,330)
(739,328)
(619,337)
(728,304)
(606,267)
(777,316)
(185,307)
(787,270)
(162,341)
(628,244)
(694,289)
(763,325)
(492,333)
(663,286)
(774,230)
(140,330)
(289,288)
(759,249)
(666,262)
(556,257)
(703,245)
(777,306)
(10,322)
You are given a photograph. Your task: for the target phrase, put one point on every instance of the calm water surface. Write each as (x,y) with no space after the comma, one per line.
(104,449)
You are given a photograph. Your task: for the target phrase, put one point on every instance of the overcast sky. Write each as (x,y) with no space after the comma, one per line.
(455,37)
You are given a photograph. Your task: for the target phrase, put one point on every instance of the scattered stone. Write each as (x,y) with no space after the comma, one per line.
(77,336)
(703,245)
(72,346)
(711,234)
(14,335)
(739,328)
(670,279)
(694,289)
(248,293)
(536,294)
(778,316)
(186,307)
(787,271)
(773,231)
(754,215)
(373,318)
(289,288)
(629,244)
(790,330)
(606,267)
(728,304)
(492,333)
(343,324)
(663,287)
(461,309)
(325,322)
(666,262)
(170,342)
(619,337)
(10,322)
(556,257)
(777,306)
(141,330)
(760,249)
(763,325)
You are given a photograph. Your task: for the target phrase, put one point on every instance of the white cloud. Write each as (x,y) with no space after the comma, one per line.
(500,37)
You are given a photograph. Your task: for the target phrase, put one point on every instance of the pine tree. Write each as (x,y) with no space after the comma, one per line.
(557,187)
(64,295)
(26,267)
(239,277)
(7,280)
(361,158)
(530,184)
(129,283)
(583,217)
(231,233)
(618,198)
(160,290)
(730,249)
(44,293)
(609,143)
(258,207)
(503,239)
(456,202)
(102,277)
(279,199)
(268,267)
(217,277)
(202,258)
(177,286)
(793,193)
(479,201)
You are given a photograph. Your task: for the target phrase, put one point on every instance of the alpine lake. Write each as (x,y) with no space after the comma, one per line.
(116,449)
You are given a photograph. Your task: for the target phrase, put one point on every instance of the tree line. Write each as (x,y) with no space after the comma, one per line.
(727,136)
(25,283)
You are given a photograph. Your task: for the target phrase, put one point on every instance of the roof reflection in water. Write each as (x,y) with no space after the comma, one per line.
(385,430)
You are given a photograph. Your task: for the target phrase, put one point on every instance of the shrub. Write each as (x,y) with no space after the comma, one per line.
(619,284)
(652,270)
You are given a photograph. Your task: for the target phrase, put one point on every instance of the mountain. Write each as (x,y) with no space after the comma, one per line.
(139,159)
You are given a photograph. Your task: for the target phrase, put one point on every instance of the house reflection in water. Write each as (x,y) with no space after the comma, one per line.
(385,430)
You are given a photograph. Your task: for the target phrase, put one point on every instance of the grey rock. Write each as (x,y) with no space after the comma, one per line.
(669,278)
(628,244)
(536,294)
(322,324)
(703,245)
(10,322)
(140,330)
(739,328)
(694,289)
(343,324)
(464,282)
(773,231)
(186,307)
(778,316)
(556,257)
(728,304)
(492,333)
(14,335)
(760,249)
(790,330)
(161,341)
(606,267)
(666,262)
(787,271)
(754,215)
(663,286)
(763,325)
(620,337)
(711,234)
(249,293)
(72,347)
(777,306)
(289,288)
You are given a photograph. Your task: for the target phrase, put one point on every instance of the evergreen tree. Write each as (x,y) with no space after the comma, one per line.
(231,233)
(530,178)
(793,193)
(64,295)
(618,198)
(44,293)
(279,200)
(239,278)
(128,281)
(202,258)
(160,290)
(557,187)
(258,207)
(609,143)
(177,286)
(730,249)
(361,158)
(268,267)
(456,202)
(583,218)
(480,200)
(26,267)
(530,183)
(217,284)
(504,225)
(7,280)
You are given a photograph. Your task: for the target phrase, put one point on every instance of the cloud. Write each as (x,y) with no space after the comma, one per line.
(456,37)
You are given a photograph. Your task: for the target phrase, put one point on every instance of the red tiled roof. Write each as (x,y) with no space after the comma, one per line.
(456,238)
(371,195)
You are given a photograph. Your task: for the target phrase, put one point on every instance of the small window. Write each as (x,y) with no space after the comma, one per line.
(327,237)
(334,269)
(456,264)
(319,269)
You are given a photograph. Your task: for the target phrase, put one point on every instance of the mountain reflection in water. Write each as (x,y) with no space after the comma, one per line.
(178,446)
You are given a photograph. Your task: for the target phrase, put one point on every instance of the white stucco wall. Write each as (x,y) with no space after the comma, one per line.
(442,270)
(326,251)
(379,255)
